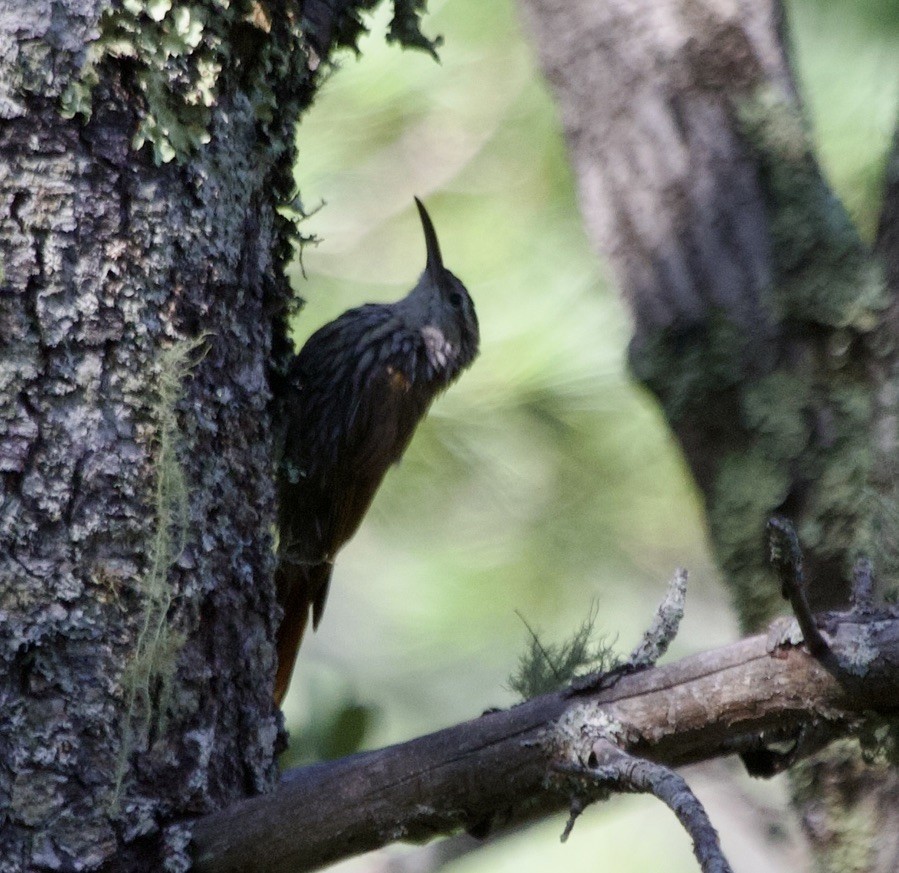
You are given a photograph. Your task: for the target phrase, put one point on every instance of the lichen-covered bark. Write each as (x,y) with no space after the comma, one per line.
(142,306)
(756,305)
(107,262)
(761,322)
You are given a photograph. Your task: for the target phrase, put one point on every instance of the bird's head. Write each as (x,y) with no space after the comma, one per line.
(440,307)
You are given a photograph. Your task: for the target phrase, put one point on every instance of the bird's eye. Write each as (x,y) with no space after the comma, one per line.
(455,300)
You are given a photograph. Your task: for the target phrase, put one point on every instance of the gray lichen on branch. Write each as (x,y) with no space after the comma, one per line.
(593,762)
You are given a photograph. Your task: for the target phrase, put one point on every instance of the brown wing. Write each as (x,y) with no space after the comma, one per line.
(348,424)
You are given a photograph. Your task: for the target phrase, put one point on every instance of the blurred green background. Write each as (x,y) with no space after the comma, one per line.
(544,480)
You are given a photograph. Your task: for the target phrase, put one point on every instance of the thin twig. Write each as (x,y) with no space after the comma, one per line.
(616,769)
(785,555)
(665,624)
(654,643)
(574,813)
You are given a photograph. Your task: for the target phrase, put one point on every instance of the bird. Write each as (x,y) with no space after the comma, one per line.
(355,393)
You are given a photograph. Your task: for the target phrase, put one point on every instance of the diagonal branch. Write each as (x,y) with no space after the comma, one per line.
(497,768)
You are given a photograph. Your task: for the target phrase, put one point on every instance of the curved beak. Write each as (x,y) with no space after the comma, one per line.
(435,261)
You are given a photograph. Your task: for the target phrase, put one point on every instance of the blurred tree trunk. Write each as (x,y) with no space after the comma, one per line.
(145,151)
(762,323)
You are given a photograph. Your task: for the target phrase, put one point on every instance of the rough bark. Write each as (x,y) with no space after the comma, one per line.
(761,322)
(505,766)
(143,302)
(108,262)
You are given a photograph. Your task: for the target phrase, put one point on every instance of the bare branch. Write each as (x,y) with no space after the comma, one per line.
(785,555)
(495,768)
(628,773)
(665,624)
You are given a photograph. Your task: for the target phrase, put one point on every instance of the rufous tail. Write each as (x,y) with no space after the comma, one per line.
(298,588)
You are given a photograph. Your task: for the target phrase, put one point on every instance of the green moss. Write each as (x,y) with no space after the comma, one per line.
(884,548)
(687,366)
(809,434)
(805,425)
(879,740)
(179,51)
(748,489)
(823,275)
(148,676)
(840,507)
(185,54)
(829,787)
(775,409)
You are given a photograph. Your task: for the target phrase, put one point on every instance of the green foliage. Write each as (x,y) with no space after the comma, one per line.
(334,721)
(546,667)
(333,734)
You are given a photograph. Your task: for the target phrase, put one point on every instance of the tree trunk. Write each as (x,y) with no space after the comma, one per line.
(761,322)
(144,153)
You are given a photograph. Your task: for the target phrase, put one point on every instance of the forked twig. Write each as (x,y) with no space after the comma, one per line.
(611,768)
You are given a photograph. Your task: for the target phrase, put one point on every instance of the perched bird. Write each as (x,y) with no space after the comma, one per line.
(356,392)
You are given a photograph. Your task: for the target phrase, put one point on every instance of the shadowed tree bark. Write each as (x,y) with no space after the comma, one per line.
(762,323)
(144,152)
